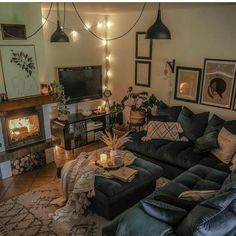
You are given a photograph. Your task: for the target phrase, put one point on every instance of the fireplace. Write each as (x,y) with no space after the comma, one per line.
(23,127)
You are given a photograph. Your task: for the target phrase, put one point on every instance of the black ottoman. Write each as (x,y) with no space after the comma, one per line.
(113,196)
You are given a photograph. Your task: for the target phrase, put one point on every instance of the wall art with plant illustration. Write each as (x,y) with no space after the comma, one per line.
(20,72)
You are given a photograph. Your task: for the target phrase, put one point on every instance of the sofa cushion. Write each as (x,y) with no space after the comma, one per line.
(165,130)
(210,216)
(163,211)
(231,126)
(178,154)
(196,178)
(131,223)
(227,146)
(170,113)
(207,142)
(229,183)
(214,124)
(193,124)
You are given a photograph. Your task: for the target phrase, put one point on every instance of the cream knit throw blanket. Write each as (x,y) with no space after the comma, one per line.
(77,184)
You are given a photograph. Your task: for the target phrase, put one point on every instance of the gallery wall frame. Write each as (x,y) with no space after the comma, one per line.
(143,48)
(218,83)
(143,73)
(19,70)
(187,83)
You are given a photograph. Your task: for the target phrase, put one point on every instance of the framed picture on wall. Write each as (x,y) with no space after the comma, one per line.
(143,46)
(234,108)
(143,73)
(218,83)
(20,71)
(187,83)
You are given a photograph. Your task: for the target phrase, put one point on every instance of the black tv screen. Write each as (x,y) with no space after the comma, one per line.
(81,83)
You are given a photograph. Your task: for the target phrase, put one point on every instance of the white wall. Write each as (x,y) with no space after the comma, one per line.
(198,32)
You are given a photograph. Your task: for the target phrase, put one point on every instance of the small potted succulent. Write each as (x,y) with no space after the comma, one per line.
(57,91)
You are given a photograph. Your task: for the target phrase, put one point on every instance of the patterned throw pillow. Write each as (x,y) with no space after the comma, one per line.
(227,146)
(164,130)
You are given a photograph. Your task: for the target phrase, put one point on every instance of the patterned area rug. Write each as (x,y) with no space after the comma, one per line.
(27,215)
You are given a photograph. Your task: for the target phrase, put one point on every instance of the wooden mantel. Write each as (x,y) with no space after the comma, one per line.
(23,103)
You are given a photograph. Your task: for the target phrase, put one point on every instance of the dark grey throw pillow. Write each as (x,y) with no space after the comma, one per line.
(193,124)
(214,124)
(206,143)
(230,126)
(229,183)
(163,211)
(209,217)
(170,113)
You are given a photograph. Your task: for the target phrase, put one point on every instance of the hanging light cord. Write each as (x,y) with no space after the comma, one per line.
(109,39)
(64,18)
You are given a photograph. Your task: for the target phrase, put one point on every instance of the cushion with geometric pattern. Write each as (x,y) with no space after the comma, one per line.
(164,130)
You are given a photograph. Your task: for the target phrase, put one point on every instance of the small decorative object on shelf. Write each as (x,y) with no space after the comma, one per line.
(59,94)
(86,112)
(45,88)
(3,97)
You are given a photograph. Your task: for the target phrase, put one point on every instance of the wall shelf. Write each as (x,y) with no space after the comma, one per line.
(23,103)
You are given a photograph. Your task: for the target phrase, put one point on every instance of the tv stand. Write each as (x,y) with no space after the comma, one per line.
(81,130)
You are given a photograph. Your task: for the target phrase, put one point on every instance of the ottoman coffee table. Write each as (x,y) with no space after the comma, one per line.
(113,196)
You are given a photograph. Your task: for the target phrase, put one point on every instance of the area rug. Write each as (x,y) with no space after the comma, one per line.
(28,215)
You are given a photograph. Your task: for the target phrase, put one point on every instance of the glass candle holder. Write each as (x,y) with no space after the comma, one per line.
(103,158)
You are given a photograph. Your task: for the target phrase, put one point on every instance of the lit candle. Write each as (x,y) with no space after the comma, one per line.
(103,158)
(99,108)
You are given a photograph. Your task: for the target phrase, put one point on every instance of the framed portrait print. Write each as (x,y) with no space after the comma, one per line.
(143,46)
(187,83)
(143,73)
(20,71)
(218,83)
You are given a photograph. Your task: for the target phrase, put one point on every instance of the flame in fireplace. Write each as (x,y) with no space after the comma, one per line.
(23,127)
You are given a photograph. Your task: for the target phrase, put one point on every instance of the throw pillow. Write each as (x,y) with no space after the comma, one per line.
(170,113)
(231,126)
(197,195)
(193,124)
(164,130)
(207,142)
(209,217)
(227,146)
(214,124)
(229,183)
(233,166)
(163,211)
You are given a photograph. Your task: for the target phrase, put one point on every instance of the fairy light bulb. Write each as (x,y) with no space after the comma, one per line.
(88,26)
(104,41)
(109,73)
(43,20)
(99,25)
(108,57)
(109,24)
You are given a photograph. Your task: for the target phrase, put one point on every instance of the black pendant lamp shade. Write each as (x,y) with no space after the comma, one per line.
(59,36)
(158,30)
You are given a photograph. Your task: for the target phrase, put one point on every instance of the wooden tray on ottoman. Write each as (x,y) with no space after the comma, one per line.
(109,167)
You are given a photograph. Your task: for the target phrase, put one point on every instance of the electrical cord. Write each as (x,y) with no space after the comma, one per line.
(109,39)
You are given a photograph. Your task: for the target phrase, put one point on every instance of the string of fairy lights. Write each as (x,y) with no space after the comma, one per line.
(105,25)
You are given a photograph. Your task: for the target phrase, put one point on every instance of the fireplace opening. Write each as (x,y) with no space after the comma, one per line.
(23,127)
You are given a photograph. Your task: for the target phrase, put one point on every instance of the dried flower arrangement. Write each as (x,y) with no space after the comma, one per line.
(114,142)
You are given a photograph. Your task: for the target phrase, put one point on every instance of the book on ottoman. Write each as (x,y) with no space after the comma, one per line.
(125,174)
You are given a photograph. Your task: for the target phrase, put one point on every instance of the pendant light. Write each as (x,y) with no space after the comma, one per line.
(158,30)
(59,36)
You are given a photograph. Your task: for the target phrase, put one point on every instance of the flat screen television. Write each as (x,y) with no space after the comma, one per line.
(81,83)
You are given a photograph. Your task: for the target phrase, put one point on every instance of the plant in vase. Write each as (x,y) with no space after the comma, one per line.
(140,104)
(58,92)
(114,143)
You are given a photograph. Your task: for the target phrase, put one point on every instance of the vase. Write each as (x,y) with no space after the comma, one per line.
(113,153)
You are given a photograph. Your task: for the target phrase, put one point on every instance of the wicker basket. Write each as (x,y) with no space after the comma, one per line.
(137,117)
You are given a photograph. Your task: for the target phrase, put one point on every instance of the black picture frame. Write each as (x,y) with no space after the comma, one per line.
(221,62)
(147,78)
(187,98)
(234,105)
(148,44)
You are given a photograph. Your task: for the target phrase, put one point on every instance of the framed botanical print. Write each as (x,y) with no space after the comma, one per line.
(20,71)
(143,46)
(143,73)
(187,83)
(218,83)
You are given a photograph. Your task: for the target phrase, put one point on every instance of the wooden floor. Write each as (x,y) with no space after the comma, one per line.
(19,184)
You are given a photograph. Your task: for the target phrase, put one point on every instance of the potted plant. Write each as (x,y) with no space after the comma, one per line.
(140,104)
(57,91)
